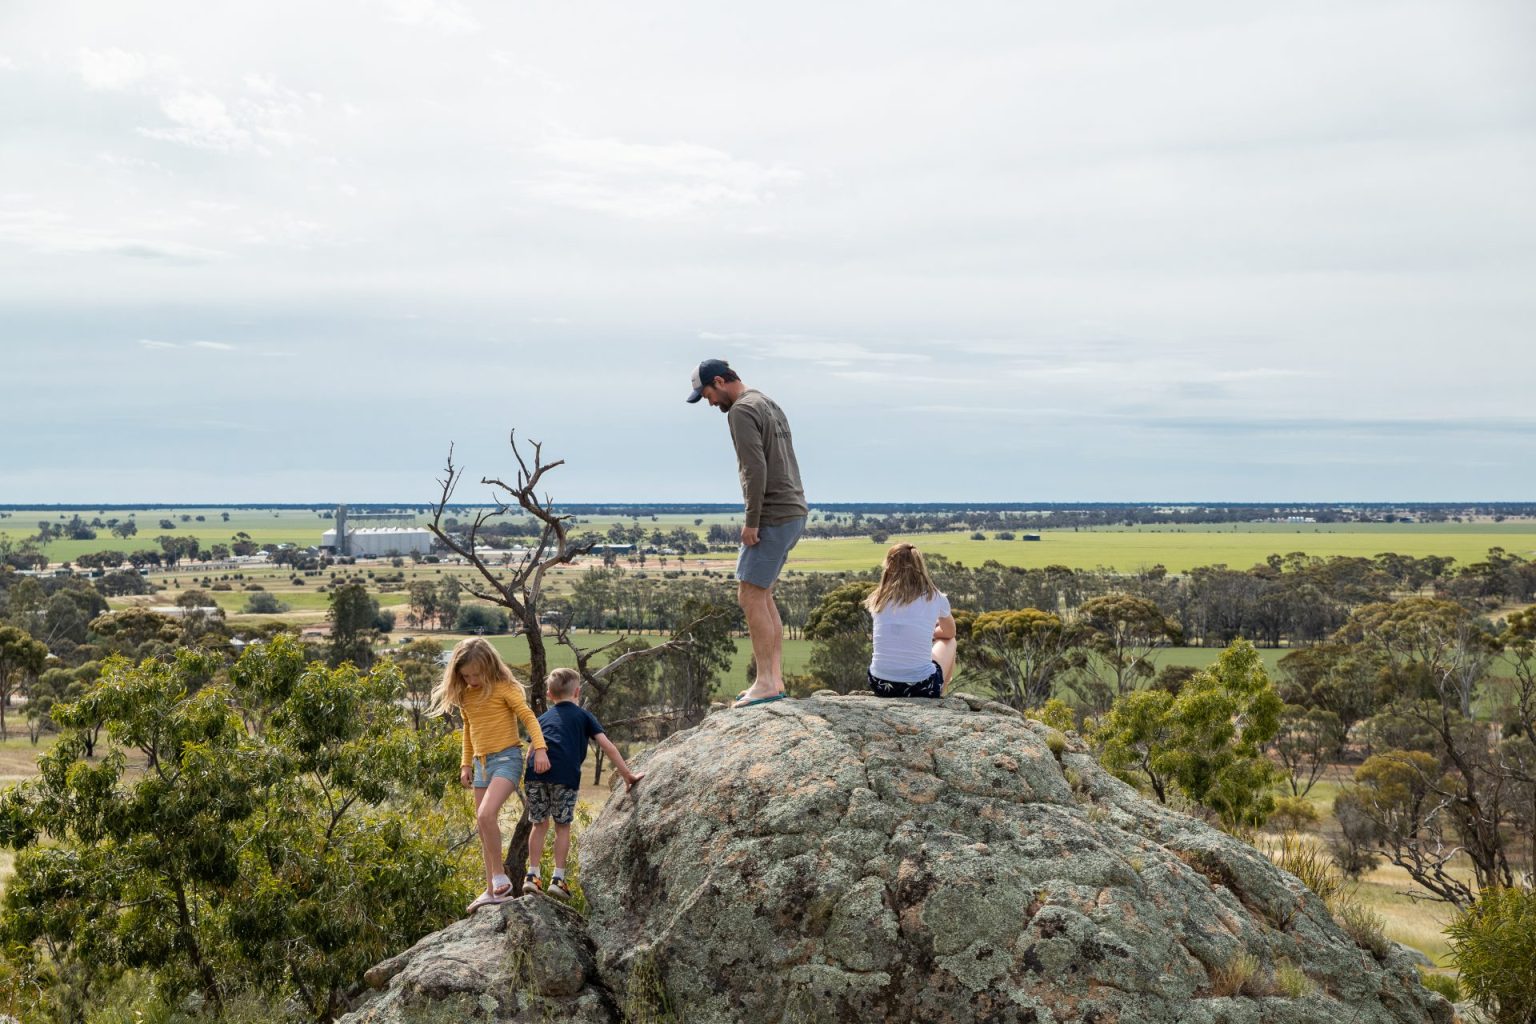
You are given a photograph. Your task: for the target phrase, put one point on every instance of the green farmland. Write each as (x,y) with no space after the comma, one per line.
(1178,548)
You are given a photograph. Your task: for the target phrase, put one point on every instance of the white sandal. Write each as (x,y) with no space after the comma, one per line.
(485,899)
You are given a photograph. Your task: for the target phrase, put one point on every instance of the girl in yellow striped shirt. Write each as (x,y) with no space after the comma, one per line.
(480,686)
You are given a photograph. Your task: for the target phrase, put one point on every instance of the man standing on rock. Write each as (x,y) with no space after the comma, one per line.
(776,513)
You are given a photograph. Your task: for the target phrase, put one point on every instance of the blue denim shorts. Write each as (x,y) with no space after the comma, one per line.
(761,563)
(933,686)
(503,764)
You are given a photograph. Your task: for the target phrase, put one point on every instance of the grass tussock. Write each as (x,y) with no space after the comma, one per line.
(1292,982)
(1237,976)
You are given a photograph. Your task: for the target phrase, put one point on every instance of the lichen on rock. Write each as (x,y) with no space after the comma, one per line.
(852,859)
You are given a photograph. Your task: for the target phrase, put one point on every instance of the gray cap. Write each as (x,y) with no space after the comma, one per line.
(705,375)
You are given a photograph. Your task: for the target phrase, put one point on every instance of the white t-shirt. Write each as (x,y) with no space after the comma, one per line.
(904,639)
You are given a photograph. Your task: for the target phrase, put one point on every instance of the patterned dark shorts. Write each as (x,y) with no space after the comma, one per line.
(550,800)
(933,686)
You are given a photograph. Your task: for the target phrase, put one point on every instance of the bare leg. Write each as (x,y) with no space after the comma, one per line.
(562,844)
(944,654)
(762,620)
(777,632)
(536,844)
(488,803)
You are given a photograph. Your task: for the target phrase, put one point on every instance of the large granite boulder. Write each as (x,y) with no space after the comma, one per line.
(855,859)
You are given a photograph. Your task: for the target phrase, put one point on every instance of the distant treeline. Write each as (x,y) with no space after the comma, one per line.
(1040,513)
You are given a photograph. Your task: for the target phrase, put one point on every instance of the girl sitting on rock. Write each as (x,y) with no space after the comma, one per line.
(914,630)
(480,686)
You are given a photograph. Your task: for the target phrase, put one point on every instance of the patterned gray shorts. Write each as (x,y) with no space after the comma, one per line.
(550,800)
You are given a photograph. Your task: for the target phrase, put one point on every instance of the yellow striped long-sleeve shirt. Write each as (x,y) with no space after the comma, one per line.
(491,717)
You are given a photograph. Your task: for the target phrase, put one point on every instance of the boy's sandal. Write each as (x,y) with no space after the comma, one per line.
(559,889)
(531,885)
(503,887)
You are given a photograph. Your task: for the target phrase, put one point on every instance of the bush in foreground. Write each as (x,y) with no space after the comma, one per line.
(286,832)
(1494,945)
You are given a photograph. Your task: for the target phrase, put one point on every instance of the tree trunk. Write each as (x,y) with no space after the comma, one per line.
(516,857)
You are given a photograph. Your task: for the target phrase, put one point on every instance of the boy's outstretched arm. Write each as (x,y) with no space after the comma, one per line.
(612,753)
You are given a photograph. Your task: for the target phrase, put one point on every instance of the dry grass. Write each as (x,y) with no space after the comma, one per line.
(1236,976)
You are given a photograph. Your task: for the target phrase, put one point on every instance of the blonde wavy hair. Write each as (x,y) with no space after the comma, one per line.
(477,655)
(903,580)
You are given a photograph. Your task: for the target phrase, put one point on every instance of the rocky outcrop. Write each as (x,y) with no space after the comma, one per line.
(854,859)
(527,960)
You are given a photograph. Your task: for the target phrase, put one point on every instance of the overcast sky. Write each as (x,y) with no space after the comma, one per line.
(988,251)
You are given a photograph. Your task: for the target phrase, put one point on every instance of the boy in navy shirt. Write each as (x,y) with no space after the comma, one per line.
(567,726)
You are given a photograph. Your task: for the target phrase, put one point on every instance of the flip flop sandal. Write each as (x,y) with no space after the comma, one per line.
(760,700)
(485,899)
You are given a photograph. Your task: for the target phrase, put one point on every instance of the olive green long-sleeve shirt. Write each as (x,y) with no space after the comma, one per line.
(765,458)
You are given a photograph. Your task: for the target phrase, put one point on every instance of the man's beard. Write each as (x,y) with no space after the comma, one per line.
(725,405)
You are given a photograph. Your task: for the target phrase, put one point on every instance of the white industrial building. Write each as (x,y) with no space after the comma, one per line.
(372,542)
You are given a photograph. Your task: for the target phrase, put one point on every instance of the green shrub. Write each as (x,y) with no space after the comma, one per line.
(1292,982)
(264,604)
(1293,813)
(1364,925)
(1308,863)
(1237,975)
(1055,713)
(1494,946)
(1442,984)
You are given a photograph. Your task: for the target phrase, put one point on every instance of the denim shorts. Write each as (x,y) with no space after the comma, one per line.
(933,686)
(761,563)
(503,764)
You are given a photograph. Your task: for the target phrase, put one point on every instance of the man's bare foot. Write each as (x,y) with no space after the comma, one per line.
(754,693)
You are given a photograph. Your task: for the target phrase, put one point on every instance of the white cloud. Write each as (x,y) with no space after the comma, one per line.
(447,16)
(214,346)
(827,352)
(39,229)
(651,182)
(113,69)
(200,120)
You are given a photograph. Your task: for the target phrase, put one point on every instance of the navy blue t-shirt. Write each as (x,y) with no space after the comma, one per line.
(567,727)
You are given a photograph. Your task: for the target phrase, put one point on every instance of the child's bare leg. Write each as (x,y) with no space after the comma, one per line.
(536,844)
(488,803)
(562,845)
(944,654)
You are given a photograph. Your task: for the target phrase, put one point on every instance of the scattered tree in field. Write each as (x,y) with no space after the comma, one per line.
(1307,742)
(1125,632)
(481,619)
(840,633)
(448,601)
(423,603)
(1018,654)
(1136,737)
(21,659)
(353,615)
(263,603)
(420,665)
(1207,743)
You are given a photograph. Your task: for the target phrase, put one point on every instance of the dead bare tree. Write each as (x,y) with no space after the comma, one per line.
(519,586)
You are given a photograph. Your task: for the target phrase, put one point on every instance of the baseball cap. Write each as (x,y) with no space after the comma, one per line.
(705,375)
